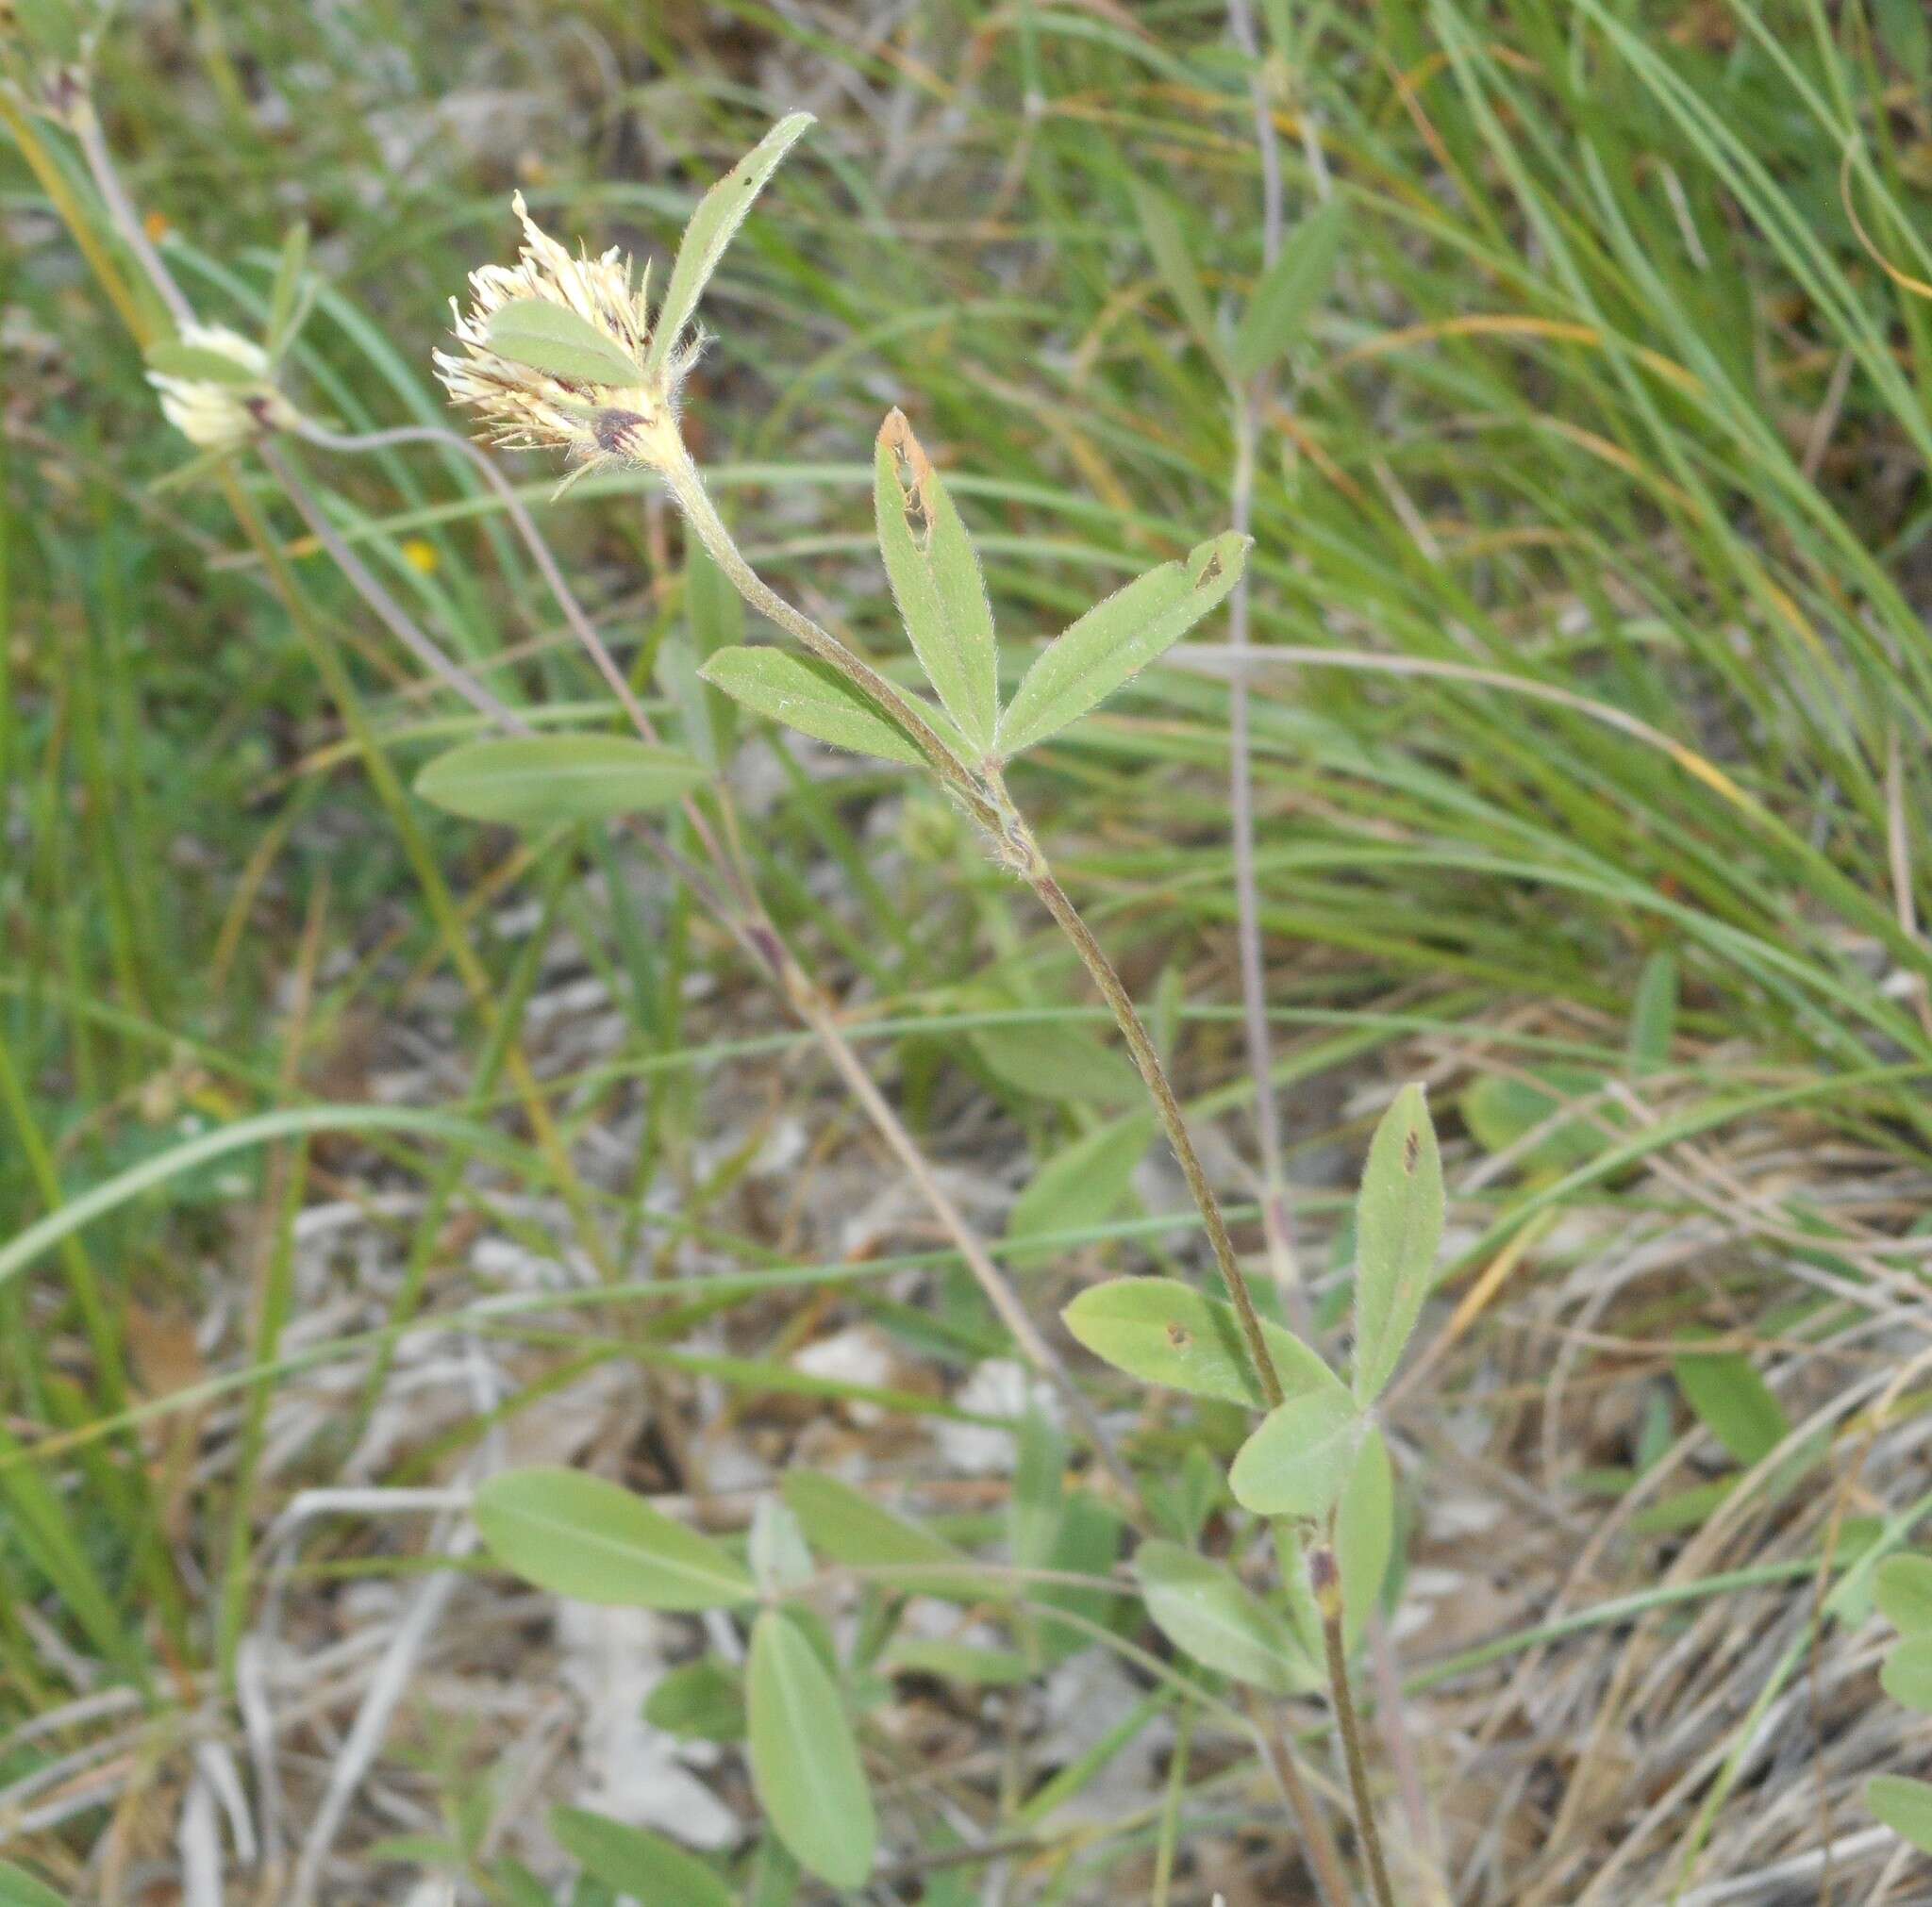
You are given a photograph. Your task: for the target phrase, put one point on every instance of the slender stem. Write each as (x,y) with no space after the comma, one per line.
(1147,1058)
(1318,1844)
(86,125)
(1241,20)
(686,487)
(580,624)
(391,613)
(1241,802)
(1325,1578)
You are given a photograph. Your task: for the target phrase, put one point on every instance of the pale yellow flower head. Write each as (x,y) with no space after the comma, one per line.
(522,407)
(233,404)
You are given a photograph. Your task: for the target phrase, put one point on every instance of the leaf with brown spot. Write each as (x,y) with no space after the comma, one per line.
(935,581)
(1164,1331)
(1398,1231)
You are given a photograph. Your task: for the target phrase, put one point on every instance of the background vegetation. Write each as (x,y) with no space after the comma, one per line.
(368,1149)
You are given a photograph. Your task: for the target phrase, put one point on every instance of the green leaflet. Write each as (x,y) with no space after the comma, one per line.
(804,1760)
(1160,225)
(583,1538)
(1906,1676)
(1732,1401)
(936,582)
(637,1864)
(779,1557)
(703,1701)
(1164,1331)
(957,1662)
(1288,290)
(1500,1110)
(1902,1587)
(1057,1062)
(848,1527)
(1084,1183)
(1210,1615)
(718,216)
(1364,1543)
(554,339)
(1903,1805)
(811,696)
(1398,1228)
(1296,1463)
(1088,1543)
(542,780)
(776,1875)
(521,1888)
(1185,1496)
(18,1889)
(286,302)
(1116,639)
(1365,1533)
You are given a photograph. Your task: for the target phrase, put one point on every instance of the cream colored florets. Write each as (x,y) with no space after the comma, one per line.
(217,414)
(524,408)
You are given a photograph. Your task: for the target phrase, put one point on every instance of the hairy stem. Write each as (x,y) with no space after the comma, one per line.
(687,487)
(989,801)
(1174,1121)
(1325,1578)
